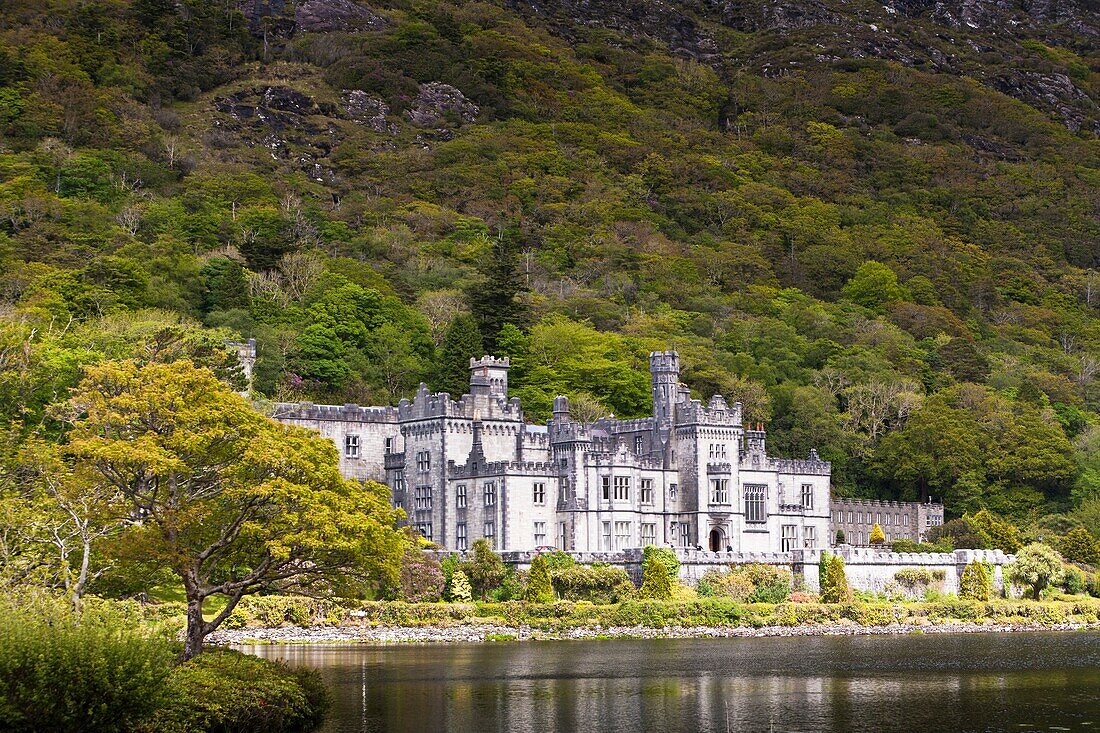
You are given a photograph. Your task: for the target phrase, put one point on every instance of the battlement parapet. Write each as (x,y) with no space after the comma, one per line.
(336,413)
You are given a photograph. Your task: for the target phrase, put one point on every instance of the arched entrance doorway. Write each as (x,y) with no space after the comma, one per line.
(717,541)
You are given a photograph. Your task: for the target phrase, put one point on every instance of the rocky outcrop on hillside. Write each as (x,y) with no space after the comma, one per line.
(336,15)
(441,105)
(961,37)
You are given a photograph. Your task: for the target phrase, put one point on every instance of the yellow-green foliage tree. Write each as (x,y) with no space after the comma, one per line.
(877,535)
(1080,546)
(230,500)
(836,588)
(460,588)
(976,584)
(655,582)
(540,587)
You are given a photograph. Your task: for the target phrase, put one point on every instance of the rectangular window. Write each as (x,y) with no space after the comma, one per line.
(389,446)
(788,537)
(719,491)
(849,517)
(425,529)
(540,534)
(423,461)
(605,543)
(351,446)
(605,487)
(685,534)
(460,496)
(639,445)
(897,520)
(423,497)
(645,488)
(561,535)
(460,536)
(807,496)
(538,494)
(756,503)
(489,533)
(622,535)
(649,534)
(672,492)
(809,535)
(490,493)
(399,481)
(622,488)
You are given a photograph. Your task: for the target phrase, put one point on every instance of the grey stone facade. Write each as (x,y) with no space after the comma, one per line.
(899,520)
(690,475)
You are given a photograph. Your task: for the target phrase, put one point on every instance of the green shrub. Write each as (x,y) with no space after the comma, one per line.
(836,588)
(222,690)
(1074,581)
(667,557)
(840,538)
(599,583)
(540,588)
(484,569)
(822,565)
(944,544)
(1080,546)
(97,673)
(655,580)
(558,560)
(732,585)
(976,583)
(770,584)
(919,580)
(878,537)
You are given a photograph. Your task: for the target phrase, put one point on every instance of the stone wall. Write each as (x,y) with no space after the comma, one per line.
(866,568)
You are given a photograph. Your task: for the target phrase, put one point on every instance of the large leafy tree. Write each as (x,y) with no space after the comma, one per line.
(230,500)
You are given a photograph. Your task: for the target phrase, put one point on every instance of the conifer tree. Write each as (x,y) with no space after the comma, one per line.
(877,535)
(655,582)
(975,583)
(836,588)
(540,588)
(461,342)
(460,588)
(495,301)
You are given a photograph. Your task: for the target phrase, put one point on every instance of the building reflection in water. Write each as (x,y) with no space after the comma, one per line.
(851,684)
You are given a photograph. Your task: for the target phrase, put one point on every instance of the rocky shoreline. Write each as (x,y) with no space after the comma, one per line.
(475,633)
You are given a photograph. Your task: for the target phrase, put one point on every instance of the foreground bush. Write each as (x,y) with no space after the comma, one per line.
(222,690)
(594,583)
(98,673)
(835,589)
(976,583)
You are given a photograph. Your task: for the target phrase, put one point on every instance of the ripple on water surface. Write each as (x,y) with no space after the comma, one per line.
(918,684)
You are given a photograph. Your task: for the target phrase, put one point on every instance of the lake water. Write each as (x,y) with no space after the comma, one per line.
(915,683)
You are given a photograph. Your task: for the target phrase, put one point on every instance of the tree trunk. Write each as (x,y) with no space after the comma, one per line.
(196,629)
(82,577)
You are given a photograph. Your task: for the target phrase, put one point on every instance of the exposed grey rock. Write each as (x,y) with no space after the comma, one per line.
(336,15)
(441,105)
(368,110)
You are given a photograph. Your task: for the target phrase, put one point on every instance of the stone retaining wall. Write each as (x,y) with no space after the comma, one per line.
(867,568)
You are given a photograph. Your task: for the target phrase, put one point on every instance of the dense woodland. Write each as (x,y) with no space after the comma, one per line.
(885,259)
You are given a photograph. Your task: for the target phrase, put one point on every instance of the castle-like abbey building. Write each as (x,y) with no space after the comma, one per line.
(691,475)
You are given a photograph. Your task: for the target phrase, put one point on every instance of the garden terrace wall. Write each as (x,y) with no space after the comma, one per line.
(868,569)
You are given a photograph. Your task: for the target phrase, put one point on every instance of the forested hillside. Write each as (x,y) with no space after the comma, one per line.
(878,226)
